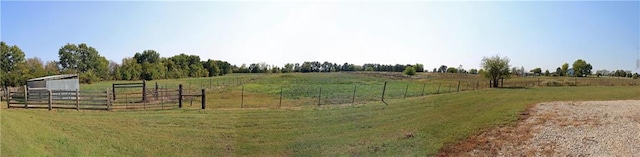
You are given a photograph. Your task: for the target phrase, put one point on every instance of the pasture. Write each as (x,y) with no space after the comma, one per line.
(416,125)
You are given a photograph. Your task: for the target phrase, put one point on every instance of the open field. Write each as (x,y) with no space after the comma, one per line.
(303,89)
(418,125)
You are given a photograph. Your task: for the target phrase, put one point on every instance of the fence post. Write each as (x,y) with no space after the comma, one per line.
(204,102)
(242,98)
(439,85)
(78,99)
(458,87)
(319,95)
(108,100)
(50,99)
(113,90)
(25,97)
(180,96)
(405,91)
(383,90)
(423,85)
(144,91)
(477,85)
(353,99)
(280,104)
(155,92)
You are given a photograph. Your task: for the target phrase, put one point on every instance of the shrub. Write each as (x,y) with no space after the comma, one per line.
(409,71)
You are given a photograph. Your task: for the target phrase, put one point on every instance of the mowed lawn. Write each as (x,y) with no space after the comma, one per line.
(412,126)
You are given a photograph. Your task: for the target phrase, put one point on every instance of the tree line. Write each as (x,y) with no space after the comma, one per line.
(86,61)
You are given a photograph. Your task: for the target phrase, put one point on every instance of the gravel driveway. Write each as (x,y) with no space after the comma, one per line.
(593,128)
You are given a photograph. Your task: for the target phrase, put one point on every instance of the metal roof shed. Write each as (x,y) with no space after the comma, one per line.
(66,82)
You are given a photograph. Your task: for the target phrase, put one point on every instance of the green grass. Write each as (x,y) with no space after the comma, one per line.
(362,130)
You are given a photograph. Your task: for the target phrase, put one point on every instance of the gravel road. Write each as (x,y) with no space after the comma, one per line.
(593,128)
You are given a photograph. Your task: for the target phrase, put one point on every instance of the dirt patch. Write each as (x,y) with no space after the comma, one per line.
(594,128)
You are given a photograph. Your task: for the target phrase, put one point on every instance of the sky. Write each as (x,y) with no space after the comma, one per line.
(542,34)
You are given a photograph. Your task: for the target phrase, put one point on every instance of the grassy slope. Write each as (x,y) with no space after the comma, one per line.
(364,130)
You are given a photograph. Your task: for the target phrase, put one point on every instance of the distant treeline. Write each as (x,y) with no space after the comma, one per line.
(86,61)
(148,65)
(315,66)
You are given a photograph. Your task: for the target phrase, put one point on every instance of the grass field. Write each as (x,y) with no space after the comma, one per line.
(412,126)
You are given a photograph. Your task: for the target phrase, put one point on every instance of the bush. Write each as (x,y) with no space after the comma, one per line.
(409,71)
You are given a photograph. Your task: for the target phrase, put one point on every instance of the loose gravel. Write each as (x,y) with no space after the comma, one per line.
(593,128)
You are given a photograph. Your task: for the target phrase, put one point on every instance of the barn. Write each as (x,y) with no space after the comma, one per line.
(67,82)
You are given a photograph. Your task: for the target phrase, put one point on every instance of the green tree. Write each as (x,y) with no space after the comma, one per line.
(495,68)
(51,67)
(35,68)
(130,69)
(565,68)
(409,70)
(582,68)
(537,71)
(473,71)
(212,68)
(547,73)
(11,66)
(419,67)
(149,61)
(83,59)
(452,70)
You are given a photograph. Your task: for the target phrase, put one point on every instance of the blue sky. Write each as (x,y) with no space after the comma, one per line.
(531,34)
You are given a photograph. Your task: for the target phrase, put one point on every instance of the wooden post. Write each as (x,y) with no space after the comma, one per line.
(423,85)
(204,100)
(477,84)
(108,100)
(353,99)
(113,90)
(319,95)
(155,92)
(405,91)
(144,91)
(458,87)
(280,104)
(50,99)
(25,97)
(180,96)
(162,95)
(242,98)
(384,89)
(78,99)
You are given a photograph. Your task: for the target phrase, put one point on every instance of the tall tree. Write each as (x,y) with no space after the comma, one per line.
(582,68)
(419,67)
(51,67)
(150,63)
(35,68)
(12,58)
(442,69)
(85,60)
(212,68)
(565,69)
(496,67)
